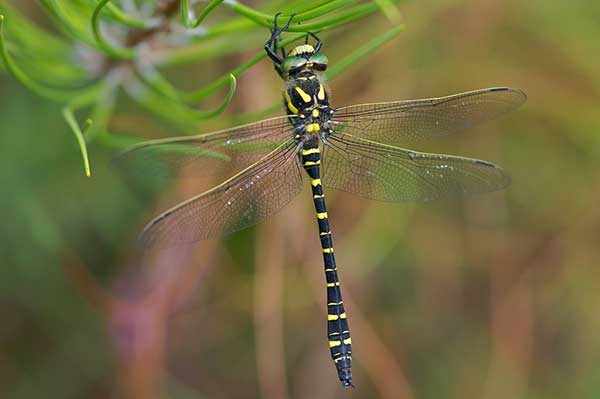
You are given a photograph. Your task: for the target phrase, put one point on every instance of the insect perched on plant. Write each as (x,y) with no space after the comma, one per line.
(353,148)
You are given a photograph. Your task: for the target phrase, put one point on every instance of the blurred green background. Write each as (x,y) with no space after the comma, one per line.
(494,296)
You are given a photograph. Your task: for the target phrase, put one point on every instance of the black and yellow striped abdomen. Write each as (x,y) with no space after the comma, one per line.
(338,333)
(306,98)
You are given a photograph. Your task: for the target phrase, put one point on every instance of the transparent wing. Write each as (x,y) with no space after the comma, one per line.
(402,123)
(241,201)
(387,173)
(223,151)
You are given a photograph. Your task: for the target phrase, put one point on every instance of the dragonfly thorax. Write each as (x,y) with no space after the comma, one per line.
(306,98)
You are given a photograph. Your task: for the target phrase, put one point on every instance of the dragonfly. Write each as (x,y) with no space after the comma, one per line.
(358,149)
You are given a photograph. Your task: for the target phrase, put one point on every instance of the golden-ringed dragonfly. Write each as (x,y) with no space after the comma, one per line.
(356,148)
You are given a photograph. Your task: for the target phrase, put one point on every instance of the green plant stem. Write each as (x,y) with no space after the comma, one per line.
(363,51)
(342,17)
(149,75)
(65,23)
(267,19)
(333,21)
(185,13)
(121,53)
(224,103)
(157,82)
(389,9)
(176,111)
(222,81)
(226,100)
(301,10)
(117,141)
(70,118)
(338,19)
(122,17)
(248,16)
(102,111)
(323,9)
(252,14)
(81,97)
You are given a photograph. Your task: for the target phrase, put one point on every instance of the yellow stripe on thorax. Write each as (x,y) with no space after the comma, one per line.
(321,94)
(315,182)
(289,103)
(305,97)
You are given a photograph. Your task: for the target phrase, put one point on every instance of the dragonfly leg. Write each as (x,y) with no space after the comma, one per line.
(271,44)
(319,42)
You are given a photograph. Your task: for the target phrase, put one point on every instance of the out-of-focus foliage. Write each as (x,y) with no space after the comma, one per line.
(494,296)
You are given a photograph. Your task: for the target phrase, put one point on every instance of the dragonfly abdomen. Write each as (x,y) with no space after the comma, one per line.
(338,333)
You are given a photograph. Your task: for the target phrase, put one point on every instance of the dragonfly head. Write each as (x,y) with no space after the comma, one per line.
(303,50)
(304,57)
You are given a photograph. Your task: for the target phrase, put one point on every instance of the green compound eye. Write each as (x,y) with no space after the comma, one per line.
(291,63)
(319,62)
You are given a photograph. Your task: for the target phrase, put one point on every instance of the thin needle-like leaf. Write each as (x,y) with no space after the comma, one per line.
(160,85)
(122,17)
(315,12)
(389,9)
(224,103)
(70,118)
(64,22)
(122,53)
(222,81)
(185,13)
(259,17)
(84,96)
(340,18)
(363,51)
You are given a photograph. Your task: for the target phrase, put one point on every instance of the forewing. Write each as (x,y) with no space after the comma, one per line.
(386,173)
(241,201)
(223,151)
(402,123)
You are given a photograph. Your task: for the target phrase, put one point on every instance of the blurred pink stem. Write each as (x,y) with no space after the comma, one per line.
(270,354)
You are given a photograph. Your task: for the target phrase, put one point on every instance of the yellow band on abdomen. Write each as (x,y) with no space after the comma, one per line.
(311,151)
